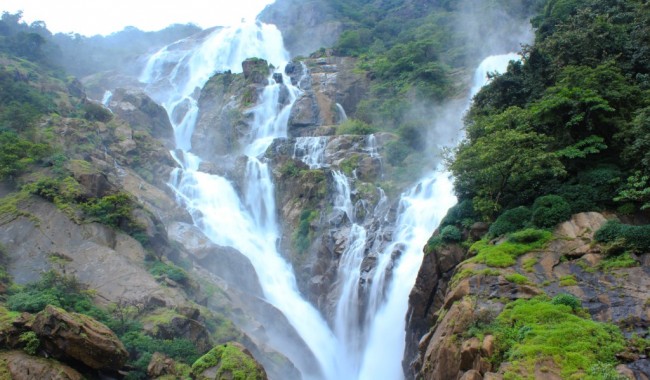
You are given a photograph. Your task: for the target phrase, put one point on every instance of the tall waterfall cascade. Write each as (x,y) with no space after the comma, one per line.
(245,217)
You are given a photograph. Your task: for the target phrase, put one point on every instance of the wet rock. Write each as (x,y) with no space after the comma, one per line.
(17,365)
(470,351)
(255,70)
(78,337)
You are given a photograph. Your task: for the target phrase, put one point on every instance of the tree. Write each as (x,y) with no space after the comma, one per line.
(495,168)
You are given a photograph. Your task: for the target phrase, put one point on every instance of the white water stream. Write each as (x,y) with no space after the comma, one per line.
(247,221)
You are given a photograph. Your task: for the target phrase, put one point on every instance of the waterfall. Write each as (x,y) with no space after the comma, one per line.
(342,115)
(420,210)
(311,151)
(245,222)
(356,346)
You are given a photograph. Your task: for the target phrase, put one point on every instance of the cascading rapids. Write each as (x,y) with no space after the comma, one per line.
(247,221)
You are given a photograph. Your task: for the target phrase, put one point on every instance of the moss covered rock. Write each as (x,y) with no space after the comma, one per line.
(78,337)
(231,361)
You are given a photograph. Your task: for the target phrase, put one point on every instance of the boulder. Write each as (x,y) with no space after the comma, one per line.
(17,365)
(223,362)
(255,70)
(161,365)
(72,336)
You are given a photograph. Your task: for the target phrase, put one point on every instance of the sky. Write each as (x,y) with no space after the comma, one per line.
(91,17)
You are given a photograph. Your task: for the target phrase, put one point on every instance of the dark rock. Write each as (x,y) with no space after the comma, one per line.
(78,337)
(255,70)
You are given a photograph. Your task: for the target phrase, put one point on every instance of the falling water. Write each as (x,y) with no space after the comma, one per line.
(420,211)
(247,221)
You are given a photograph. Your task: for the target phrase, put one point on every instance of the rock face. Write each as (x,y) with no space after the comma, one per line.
(78,337)
(142,113)
(305,26)
(441,309)
(17,365)
(332,91)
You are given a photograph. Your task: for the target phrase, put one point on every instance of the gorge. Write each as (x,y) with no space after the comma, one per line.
(362,190)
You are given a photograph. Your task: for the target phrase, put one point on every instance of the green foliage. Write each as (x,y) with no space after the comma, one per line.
(550,210)
(141,347)
(160,270)
(517,278)
(96,112)
(230,363)
(53,289)
(17,154)
(112,210)
(634,238)
(451,234)
(494,168)
(623,260)
(569,280)
(461,214)
(396,152)
(531,331)
(567,299)
(636,189)
(505,254)
(303,235)
(510,221)
(355,127)
(31,342)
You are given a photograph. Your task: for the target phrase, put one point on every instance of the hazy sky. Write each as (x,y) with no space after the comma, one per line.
(90,17)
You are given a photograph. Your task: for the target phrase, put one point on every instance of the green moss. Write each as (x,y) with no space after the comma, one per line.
(517,278)
(232,363)
(349,164)
(529,332)
(529,264)
(10,207)
(505,254)
(466,273)
(569,280)
(31,342)
(616,262)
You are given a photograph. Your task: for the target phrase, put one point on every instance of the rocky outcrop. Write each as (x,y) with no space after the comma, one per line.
(447,298)
(227,263)
(331,92)
(17,365)
(45,232)
(305,26)
(229,361)
(72,336)
(167,324)
(143,114)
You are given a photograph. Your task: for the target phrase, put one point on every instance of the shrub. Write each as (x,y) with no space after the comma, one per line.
(355,127)
(549,210)
(510,221)
(96,112)
(461,214)
(31,342)
(451,234)
(636,238)
(581,197)
(567,299)
(171,271)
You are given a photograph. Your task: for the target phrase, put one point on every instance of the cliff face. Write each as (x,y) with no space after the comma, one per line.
(450,300)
